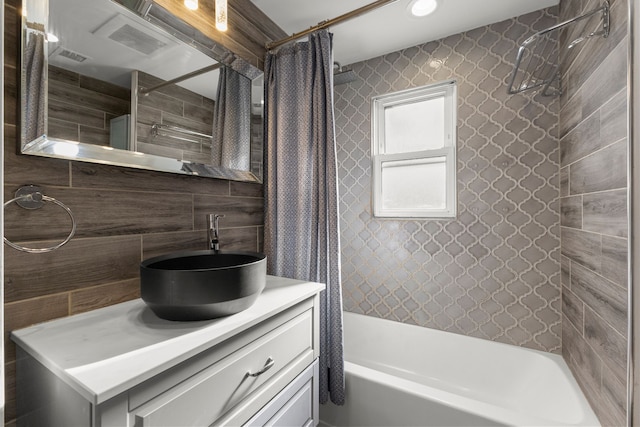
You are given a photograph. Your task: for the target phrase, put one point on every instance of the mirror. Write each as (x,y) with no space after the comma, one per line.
(123,82)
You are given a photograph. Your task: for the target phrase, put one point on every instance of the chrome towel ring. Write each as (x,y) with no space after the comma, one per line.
(31,197)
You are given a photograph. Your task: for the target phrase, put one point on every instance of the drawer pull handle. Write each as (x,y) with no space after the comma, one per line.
(266,367)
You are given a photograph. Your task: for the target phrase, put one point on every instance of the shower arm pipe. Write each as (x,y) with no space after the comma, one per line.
(147,91)
(328,23)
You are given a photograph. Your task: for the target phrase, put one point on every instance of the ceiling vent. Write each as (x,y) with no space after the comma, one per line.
(62,52)
(125,31)
(136,40)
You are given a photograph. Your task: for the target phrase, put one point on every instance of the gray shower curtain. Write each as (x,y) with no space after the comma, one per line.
(36,79)
(301,194)
(231,145)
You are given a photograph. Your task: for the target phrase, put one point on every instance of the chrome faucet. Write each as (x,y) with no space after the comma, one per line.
(212,226)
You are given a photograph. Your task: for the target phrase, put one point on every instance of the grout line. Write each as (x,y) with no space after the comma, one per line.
(31,299)
(597,151)
(581,211)
(622,287)
(600,192)
(570,273)
(592,232)
(589,80)
(606,323)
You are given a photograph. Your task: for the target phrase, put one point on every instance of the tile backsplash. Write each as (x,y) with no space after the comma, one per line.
(124,216)
(80,108)
(494,271)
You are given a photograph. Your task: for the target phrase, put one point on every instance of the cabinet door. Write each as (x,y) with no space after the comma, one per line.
(208,395)
(296,405)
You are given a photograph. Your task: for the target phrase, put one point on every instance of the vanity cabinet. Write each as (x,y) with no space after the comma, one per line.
(122,366)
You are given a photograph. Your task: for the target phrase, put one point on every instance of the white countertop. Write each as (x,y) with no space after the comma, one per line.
(105,352)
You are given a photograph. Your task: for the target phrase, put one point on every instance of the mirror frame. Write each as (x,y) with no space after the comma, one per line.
(46,146)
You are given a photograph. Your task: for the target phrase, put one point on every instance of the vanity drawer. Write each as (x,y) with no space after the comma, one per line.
(205,397)
(295,406)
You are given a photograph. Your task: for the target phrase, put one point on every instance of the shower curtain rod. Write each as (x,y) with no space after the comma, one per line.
(326,24)
(147,91)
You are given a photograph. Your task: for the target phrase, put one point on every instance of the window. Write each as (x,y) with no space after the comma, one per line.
(414,152)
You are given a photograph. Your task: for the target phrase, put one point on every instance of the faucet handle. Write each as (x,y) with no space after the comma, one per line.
(213,220)
(216,219)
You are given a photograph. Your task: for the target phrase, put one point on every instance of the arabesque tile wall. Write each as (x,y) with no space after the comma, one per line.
(494,271)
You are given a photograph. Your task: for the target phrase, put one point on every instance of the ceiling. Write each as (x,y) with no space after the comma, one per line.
(391,27)
(110,58)
(387,29)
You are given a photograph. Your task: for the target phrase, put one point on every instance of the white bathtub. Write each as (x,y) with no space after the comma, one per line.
(404,375)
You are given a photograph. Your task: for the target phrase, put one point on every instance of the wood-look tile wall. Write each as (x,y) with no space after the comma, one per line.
(81,108)
(174,106)
(124,215)
(593,151)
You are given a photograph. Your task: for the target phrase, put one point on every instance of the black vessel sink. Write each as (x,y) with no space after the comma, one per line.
(199,285)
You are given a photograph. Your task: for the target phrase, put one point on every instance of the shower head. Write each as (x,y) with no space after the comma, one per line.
(342,76)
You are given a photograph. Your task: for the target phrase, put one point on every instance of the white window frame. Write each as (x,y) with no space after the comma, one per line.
(446,90)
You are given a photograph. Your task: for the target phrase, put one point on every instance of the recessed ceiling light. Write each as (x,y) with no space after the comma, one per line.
(420,8)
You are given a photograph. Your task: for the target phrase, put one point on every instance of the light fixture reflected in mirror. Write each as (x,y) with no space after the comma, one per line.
(221,15)
(191,4)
